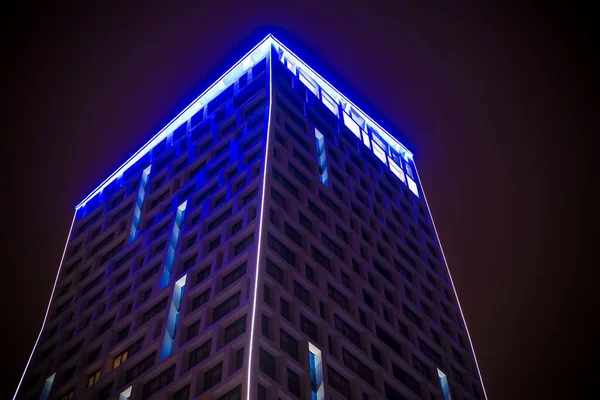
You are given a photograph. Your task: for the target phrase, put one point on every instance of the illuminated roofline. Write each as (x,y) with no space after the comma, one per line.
(232,74)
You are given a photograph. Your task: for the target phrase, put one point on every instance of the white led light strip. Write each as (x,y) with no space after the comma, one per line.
(260,229)
(47,308)
(453,287)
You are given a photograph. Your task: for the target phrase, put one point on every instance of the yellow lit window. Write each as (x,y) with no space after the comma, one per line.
(120,359)
(93,378)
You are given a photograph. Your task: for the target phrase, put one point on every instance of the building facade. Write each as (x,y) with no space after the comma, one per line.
(271,242)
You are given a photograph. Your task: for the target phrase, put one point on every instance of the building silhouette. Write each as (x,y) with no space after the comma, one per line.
(271,242)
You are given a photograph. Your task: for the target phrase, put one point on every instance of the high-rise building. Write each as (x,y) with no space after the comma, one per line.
(271,242)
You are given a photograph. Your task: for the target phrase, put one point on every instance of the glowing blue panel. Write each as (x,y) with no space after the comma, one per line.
(47,387)
(444,385)
(315,361)
(173,319)
(139,204)
(323,174)
(353,126)
(173,242)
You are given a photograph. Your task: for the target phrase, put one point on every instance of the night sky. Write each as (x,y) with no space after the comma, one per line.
(491,100)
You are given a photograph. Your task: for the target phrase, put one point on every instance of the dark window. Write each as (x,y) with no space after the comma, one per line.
(389,341)
(338,297)
(358,367)
(140,368)
(321,259)
(293,383)
(200,354)
(182,394)
(288,344)
(301,293)
(339,383)
(193,330)
(158,382)
(265,324)
(308,327)
(305,222)
(406,379)
(293,234)
(200,299)
(234,275)
(243,244)
(282,250)
(274,271)
(285,310)
(225,307)
(346,330)
(235,329)
(266,363)
(212,376)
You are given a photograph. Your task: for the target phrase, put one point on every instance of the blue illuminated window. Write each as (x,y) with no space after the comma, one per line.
(173,242)
(444,385)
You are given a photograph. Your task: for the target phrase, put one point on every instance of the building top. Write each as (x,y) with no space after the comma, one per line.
(357,121)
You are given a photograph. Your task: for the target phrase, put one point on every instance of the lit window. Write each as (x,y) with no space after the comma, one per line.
(93,378)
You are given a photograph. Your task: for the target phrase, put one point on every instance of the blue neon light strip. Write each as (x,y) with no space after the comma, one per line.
(173,242)
(47,387)
(444,385)
(139,204)
(173,319)
(356,119)
(321,156)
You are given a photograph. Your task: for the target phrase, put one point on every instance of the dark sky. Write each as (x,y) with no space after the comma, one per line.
(491,99)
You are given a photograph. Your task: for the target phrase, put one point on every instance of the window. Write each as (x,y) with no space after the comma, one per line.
(158,382)
(93,378)
(235,329)
(94,354)
(308,327)
(321,259)
(140,368)
(68,395)
(233,394)
(346,330)
(156,309)
(243,244)
(202,274)
(376,355)
(281,250)
(267,294)
(389,341)
(331,245)
(200,354)
(421,367)
(212,376)
(338,297)
(182,394)
(266,363)
(293,383)
(239,359)
(411,315)
(200,299)
(310,273)
(305,222)
(265,326)
(274,271)
(233,275)
(339,383)
(358,367)
(193,330)
(285,310)
(293,234)
(406,379)
(225,307)
(288,344)
(301,293)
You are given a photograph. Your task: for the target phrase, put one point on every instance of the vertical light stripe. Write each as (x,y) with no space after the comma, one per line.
(173,242)
(452,283)
(139,204)
(173,318)
(47,308)
(260,228)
